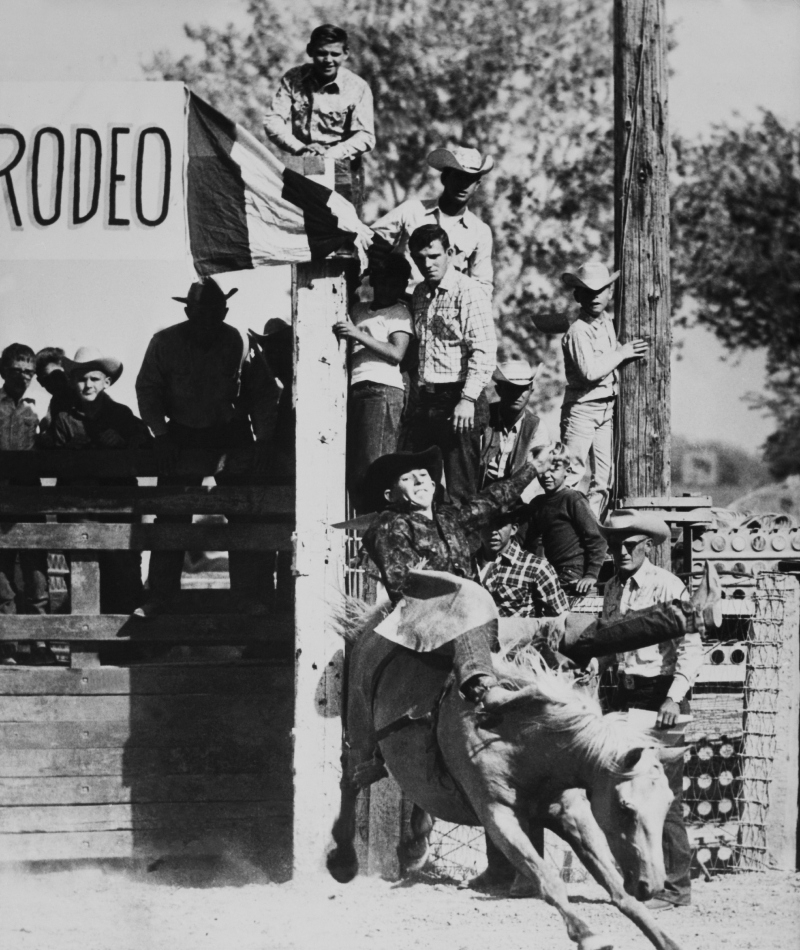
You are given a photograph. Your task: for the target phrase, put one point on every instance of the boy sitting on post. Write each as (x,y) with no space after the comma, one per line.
(323,109)
(561,523)
(18,425)
(95,421)
(591,357)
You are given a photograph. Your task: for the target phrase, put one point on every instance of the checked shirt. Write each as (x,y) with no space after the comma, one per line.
(455,329)
(524,585)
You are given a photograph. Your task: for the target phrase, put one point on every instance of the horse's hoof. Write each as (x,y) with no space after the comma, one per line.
(524,887)
(412,857)
(342,868)
(596,942)
(488,880)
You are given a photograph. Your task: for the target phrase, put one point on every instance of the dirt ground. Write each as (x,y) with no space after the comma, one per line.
(230,908)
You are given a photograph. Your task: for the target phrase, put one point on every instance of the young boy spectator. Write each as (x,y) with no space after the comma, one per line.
(591,357)
(470,238)
(522,584)
(561,523)
(18,428)
(380,332)
(457,345)
(321,108)
(93,420)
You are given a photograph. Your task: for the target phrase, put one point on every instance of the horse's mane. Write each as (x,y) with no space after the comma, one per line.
(554,702)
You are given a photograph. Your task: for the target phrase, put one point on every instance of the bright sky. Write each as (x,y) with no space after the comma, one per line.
(732,56)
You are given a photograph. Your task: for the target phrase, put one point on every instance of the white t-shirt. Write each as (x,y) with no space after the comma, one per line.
(368,366)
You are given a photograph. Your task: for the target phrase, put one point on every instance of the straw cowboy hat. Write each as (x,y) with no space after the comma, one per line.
(634,525)
(462,159)
(88,358)
(206,293)
(592,276)
(384,471)
(515,372)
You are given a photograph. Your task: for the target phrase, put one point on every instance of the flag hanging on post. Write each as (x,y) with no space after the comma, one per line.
(244,208)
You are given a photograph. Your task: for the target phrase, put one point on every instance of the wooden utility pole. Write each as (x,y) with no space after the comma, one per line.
(641,192)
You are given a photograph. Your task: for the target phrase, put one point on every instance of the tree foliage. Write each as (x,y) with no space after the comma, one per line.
(529,83)
(736,250)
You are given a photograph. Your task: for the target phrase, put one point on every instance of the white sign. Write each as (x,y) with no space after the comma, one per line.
(92,171)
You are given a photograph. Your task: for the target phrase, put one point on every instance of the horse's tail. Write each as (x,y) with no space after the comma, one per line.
(351,616)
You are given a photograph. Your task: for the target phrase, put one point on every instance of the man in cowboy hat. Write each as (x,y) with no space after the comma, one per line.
(513,428)
(412,528)
(591,357)
(198,394)
(657,677)
(471,240)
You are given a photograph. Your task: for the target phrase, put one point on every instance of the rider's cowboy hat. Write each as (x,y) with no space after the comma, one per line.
(206,293)
(592,276)
(634,525)
(88,358)
(385,471)
(462,159)
(515,372)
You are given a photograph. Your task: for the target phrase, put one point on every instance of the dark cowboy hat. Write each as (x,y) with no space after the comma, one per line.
(385,470)
(206,293)
(272,327)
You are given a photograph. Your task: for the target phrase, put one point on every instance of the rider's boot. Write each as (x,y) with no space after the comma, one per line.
(485,691)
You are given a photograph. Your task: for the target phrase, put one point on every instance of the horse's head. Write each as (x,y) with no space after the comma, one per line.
(630,805)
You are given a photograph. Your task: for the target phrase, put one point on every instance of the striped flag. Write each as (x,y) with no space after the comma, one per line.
(245,208)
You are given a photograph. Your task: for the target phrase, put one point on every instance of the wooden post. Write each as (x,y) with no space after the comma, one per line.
(641,195)
(319,299)
(84,599)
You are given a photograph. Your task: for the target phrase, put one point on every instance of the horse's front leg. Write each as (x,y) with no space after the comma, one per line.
(571,818)
(503,825)
(342,861)
(412,851)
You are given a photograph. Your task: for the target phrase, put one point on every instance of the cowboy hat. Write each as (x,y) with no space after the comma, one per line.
(88,358)
(272,327)
(207,293)
(591,276)
(515,372)
(463,159)
(634,525)
(385,471)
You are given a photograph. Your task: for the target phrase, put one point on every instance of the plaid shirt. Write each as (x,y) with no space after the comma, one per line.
(399,540)
(338,114)
(524,585)
(454,325)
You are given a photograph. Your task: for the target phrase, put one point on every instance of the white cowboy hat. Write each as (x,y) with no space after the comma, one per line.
(516,372)
(592,276)
(89,357)
(635,525)
(467,160)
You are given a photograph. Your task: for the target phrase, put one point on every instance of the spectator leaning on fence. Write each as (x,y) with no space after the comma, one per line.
(205,401)
(591,357)
(562,526)
(470,239)
(380,332)
(18,431)
(93,420)
(457,345)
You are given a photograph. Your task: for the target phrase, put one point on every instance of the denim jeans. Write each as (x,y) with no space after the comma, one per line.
(587,431)
(373,428)
(432,424)
(33,569)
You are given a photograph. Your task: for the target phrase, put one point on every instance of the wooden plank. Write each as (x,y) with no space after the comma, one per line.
(24,819)
(274,834)
(220,757)
(385,827)
(91,536)
(254,500)
(678,503)
(319,295)
(104,789)
(250,677)
(97,464)
(253,711)
(198,629)
(84,583)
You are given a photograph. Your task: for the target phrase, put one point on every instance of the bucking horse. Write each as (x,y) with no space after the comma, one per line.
(549,759)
